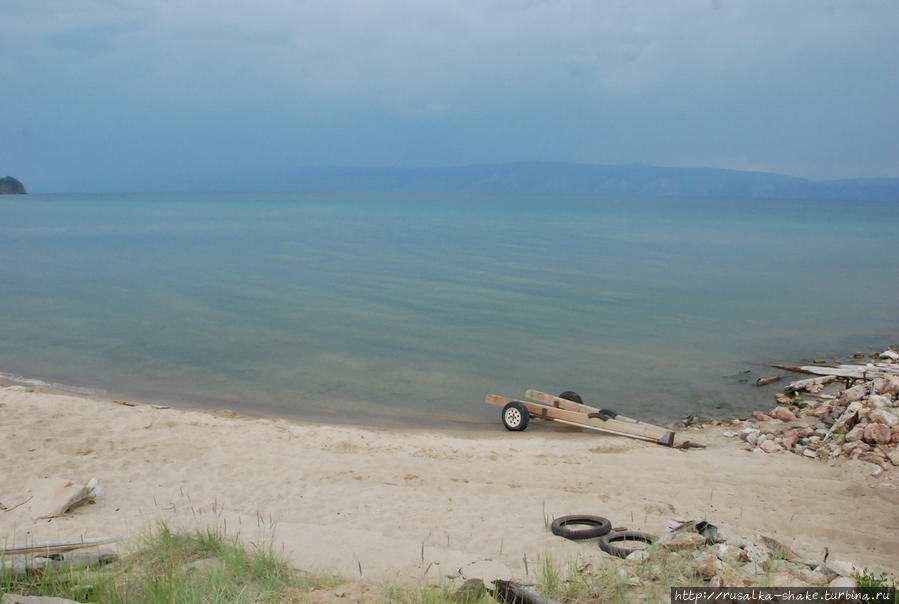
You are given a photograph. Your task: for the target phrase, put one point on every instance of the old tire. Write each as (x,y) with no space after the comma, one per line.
(596,526)
(571,395)
(515,416)
(606,542)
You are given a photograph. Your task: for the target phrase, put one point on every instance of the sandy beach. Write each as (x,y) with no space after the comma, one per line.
(406,504)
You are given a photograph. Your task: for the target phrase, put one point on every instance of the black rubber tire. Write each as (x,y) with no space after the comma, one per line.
(571,395)
(599,526)
(515,416)
(606,541)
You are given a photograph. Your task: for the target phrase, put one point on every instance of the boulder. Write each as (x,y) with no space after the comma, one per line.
(843,582)
(879,401)
(789,438)
(638,555)
(893,456)
(856,434)
(842,568)
(813,577)
(894,434)
(707,565)
(783,414)
(882,416)
(770,446)
(889,386)
(756,554)
(878,433)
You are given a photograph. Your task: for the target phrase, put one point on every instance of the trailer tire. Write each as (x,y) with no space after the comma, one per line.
(599,526)
(515,416)
(571,395)
(606,541)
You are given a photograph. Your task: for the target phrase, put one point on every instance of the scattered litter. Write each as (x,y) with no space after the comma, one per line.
(52,497)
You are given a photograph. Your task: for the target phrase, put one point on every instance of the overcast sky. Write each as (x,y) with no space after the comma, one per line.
(137,88)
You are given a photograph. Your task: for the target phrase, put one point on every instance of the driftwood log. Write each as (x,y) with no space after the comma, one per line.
(64,561)
(55,547)
(811,384)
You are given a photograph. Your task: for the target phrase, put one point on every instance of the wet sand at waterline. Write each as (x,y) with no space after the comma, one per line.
(418,503)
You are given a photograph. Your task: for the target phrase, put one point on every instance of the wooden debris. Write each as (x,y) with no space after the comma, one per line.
(809,385)
(56,496)
(55,547)
(56,562)
(5,509)
(768,380)
(126,403)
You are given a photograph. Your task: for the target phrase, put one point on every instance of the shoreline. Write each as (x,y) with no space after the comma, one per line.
(411,504)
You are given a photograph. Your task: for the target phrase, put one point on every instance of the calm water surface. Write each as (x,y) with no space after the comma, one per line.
(409,308)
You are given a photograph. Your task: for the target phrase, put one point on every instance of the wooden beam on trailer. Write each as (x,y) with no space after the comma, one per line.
(645,432)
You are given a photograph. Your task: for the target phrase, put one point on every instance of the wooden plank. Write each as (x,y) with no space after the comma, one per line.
(562,403)
(632,430)
(52,547)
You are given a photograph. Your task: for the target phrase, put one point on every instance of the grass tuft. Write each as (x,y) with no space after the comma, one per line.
(169,566)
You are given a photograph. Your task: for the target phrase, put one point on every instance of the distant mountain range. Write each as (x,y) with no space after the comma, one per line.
(550,178)
(544,178)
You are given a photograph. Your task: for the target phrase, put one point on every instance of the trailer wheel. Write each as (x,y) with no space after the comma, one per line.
(598,526)
(606,541)
(515,416)
(571,395)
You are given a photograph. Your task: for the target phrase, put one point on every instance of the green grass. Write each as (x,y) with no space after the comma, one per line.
(168,567)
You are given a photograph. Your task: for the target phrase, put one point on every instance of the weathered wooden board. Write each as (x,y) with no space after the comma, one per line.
(632,430)
(562,403)
(52,547)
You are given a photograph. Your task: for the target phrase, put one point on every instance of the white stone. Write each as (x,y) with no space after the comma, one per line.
(889,354)
(729,433)
(844,569)
(843,582)
(813,577)
(752,568)
(878,401)
(756,554)
(638,556)
(769,446)
(810,453)
(707,565)
(882,416)
(721,550)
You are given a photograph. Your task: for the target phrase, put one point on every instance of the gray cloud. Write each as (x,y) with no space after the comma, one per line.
(804,87)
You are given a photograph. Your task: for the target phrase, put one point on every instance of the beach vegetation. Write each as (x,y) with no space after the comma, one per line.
(167,565)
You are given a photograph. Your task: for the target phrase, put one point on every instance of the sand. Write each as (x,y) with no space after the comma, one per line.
(387,504)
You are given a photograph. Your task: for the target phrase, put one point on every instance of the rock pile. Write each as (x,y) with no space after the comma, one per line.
(847,411)
(721,561)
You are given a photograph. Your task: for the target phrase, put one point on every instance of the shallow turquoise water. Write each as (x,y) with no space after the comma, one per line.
(402,308)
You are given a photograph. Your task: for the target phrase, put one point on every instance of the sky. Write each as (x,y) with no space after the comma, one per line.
(95,92)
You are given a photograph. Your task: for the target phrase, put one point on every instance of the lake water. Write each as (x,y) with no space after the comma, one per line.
(373,308)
